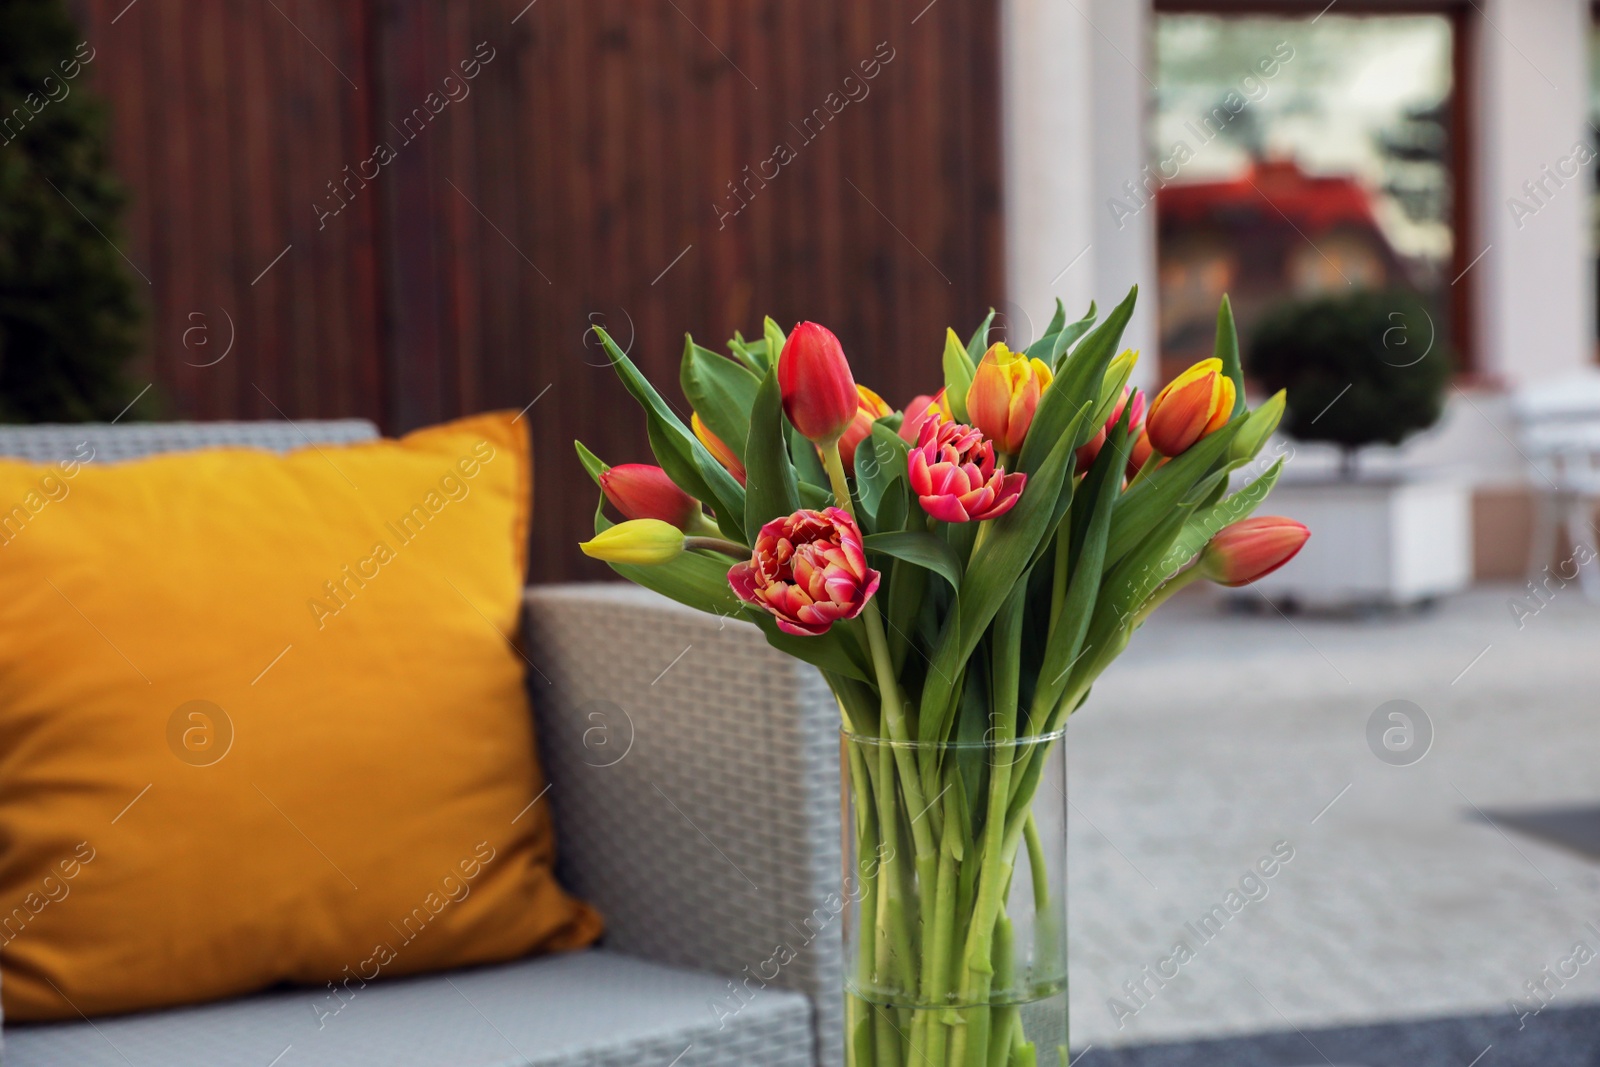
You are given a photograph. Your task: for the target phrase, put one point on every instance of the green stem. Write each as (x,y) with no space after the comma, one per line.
(1006,1016)
(697,543)
(858,1012)
(1036,863)
(894,962)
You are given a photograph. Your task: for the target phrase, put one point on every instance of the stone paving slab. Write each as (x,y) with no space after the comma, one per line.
(1220,736)
(1565,1037)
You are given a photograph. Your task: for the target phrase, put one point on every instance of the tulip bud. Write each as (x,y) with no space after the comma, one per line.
(819,395)
(1192,405)
(719,451)
(1088,452)
(1004,395)
(1251,548)
(643,491)
(636,541)
(871,408)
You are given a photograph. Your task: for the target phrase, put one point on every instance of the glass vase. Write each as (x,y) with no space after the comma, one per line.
(955,902)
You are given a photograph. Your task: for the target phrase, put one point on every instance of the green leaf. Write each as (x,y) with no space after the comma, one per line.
(720,391)
(1076,389)
(1067,335)
(679,452)
(807,464)
(752,354)
(1144,569)
(958,371)
(832,651)
(922,548)
(880,460)
(1257,428)
(773,336)
(770,490)
(1227,350)
(1044,348)
(979,342)
(991,573)
(1101,487)
(1155,494)
(1205,524)
(591,462)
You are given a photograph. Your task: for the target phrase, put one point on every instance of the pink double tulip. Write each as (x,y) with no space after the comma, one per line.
(1089,451)
(808,570)
(920,410)
(1004,395)
(819,393)
(1251,548)
(953,473)
(643,491)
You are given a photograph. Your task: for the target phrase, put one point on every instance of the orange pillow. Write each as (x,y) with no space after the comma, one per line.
(261,720)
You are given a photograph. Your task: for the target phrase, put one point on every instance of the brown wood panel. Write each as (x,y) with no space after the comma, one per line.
(228,123)
(577,179)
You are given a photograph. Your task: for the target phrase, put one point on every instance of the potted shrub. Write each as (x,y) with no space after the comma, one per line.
(1361,370)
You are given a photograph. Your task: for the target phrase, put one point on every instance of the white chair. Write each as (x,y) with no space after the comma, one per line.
(1559,426)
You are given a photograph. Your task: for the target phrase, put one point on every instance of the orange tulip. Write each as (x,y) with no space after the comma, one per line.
(1139,455)
(1192,405)
(870,409)
(1251,548)
(721,452)
(1004,394)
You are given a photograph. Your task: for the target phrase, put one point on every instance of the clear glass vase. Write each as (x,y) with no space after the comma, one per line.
(955,902)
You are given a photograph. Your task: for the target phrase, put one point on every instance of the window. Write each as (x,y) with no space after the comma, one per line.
(1291,157)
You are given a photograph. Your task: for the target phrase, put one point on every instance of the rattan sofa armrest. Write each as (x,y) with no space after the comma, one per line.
(694,780)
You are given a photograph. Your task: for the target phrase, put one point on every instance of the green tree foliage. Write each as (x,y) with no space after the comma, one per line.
(68,317)
(1361,369)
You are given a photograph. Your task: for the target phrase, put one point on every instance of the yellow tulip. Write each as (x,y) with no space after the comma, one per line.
(1004,394)
(636,541)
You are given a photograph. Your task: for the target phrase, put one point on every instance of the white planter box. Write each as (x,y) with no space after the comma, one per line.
(1386,541)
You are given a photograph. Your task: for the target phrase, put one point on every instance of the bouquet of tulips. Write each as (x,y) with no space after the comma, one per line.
(960,571)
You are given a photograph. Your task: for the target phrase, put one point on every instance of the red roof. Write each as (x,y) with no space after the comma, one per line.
(1311,203)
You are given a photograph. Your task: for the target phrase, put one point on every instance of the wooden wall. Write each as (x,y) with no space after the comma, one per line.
(582,175)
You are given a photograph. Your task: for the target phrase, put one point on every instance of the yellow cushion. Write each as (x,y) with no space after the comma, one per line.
(260,721)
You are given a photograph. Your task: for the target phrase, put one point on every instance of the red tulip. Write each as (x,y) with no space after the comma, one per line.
(1004,395)
(870,409)
(819,395)
(643,491)
(952,471)
(809,570)
(1087,452)
(1192,405)
(721,452)
(1251,548)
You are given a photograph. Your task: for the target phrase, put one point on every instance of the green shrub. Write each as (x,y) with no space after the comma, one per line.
(68,318)
(1361,369)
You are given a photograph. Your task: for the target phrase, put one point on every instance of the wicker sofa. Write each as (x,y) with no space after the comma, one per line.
(694,777)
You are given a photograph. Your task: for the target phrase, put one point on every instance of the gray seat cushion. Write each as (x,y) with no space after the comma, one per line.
(597,1009)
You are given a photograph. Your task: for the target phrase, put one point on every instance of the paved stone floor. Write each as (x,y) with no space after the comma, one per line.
(1409,896)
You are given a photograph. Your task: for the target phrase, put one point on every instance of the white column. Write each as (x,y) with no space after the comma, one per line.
(1124,77)
(1074,101)
(1533,288)
(1046,108)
